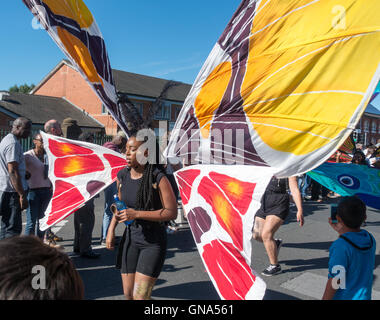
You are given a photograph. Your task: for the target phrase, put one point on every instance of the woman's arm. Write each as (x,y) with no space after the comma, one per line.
(168,212)
(293,186)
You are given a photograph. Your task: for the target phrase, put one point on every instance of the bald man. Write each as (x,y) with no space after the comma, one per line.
(13,185)
(53,127)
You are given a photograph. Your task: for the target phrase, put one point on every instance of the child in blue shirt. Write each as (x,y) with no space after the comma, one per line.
(352,255)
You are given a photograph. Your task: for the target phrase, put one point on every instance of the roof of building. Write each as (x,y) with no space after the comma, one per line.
(40,109)
(372,110)
(134,84)
(146,86)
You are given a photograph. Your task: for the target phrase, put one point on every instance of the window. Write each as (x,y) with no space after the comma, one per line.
(374,127)
(163,112)
(160,133)
(139,106)
(366,126)
(104,109)
(171,126)
(177,112)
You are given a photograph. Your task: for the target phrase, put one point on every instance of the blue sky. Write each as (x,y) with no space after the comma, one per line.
(168,39)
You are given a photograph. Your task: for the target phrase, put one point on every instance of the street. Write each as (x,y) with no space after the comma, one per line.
(303,258)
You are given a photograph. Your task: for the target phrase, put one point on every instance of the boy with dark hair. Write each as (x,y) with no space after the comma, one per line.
(352,256)
(31,270)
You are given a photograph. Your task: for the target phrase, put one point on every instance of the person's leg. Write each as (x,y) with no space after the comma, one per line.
(5,213)
(76,246)
(258,228)
(86,226)
(270,227)
(13,222)
(306,185)
(31,213)
(315,190)
(143,286)
(324,192)
(45,196)
(128,280)
(149,265)
(107,216)
(301,181)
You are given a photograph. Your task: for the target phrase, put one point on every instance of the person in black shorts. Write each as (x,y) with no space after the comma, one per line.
(150,201)
(275,205)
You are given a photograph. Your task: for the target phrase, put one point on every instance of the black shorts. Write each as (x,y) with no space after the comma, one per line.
(143,254)
(276,204)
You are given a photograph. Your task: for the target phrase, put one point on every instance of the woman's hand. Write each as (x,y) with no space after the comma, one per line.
(300,218)
(126,215)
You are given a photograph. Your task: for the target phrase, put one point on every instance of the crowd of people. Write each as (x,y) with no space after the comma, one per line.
(150,197)
(368,156)
(27,186)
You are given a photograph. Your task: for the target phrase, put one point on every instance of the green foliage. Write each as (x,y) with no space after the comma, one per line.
(25,88)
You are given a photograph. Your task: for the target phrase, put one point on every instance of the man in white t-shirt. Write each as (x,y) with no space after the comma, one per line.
(13,185)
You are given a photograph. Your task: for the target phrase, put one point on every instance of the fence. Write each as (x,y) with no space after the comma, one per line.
(27,143)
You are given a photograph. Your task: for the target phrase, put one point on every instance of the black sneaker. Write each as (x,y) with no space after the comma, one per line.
(272,270)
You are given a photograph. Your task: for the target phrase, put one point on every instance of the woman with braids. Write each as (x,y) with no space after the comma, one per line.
(150,201)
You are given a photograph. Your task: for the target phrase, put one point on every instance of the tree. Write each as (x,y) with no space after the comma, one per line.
(25,88)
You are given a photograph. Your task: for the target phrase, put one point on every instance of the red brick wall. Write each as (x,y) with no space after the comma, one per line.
(68,83)
(4,121)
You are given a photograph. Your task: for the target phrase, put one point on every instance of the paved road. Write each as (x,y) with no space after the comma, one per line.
(303,256)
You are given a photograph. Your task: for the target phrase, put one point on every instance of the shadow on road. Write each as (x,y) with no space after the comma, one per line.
(275,295)
(91,271)
(200,290)
(301,265)
(309,245)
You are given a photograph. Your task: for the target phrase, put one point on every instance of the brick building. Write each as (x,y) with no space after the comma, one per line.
(368,128)
(65,81)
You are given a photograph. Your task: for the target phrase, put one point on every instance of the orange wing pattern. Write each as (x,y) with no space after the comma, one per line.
(78,171)
(221,214)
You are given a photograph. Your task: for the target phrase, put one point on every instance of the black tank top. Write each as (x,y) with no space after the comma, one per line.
(129,188)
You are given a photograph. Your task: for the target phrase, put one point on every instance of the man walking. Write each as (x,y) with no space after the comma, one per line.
(13,186)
